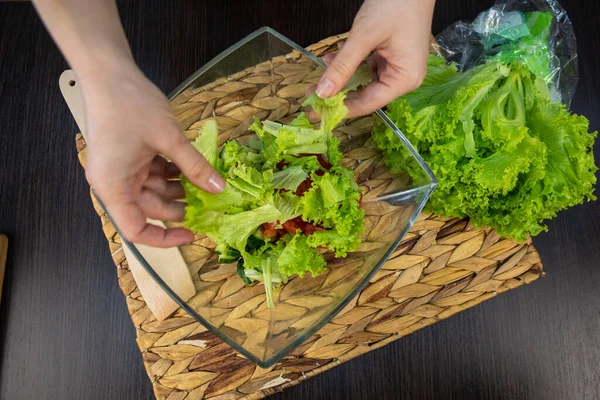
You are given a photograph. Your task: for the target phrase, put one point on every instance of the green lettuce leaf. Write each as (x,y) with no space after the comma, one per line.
(287,203)
(302,122)
(289,178)
(333,202)
(500,172)
(301,141)
(334,154)
(234,229)
(332,110)
(249,180)
(234,153)
(284,140)
(309,163)
(504,154)
(207,142)
(333,240)
(361,77)
(264,267)
(298,258)
(230,155)
(229,200)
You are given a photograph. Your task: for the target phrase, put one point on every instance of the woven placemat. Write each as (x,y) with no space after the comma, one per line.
(442,266)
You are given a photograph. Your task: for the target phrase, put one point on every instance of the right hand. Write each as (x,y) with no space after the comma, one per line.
(398,32)
(130,126)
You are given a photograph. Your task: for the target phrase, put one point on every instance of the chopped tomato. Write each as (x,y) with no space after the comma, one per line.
(270,225)
(282,164)
(309,229)
(268,230)
(324,163)
(303,187)
(269,233)
(290,227)
(298,221)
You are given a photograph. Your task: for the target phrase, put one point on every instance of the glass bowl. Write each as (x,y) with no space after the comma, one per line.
(267,75)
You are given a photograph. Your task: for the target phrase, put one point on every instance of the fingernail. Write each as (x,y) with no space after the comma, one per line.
(324,88)
(215,183)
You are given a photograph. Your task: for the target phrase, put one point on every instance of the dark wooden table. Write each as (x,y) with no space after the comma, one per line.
(64,328)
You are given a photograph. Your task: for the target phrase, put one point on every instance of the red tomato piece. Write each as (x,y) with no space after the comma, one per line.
(324,163)
(290,227)
(269,233)
(270,225)
(303,187)
(268,230)
(309,229)
(282,164)
(298,221)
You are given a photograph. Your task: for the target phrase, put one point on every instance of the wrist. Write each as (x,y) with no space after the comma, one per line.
(98,64)
(100,72)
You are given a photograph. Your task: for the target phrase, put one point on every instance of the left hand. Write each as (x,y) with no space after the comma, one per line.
(398,31)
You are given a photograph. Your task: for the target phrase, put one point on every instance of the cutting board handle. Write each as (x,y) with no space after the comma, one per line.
(69,87)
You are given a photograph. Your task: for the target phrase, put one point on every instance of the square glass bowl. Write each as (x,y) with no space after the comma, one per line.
(266,75)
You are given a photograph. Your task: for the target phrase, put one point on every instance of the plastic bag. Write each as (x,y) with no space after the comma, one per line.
(537,33)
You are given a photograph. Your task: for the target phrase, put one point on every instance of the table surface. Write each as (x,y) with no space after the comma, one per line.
(64,328)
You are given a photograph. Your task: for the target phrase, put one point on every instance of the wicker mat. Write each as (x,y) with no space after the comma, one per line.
(442,267)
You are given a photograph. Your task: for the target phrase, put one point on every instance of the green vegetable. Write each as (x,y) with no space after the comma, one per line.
(207,142)
(333,201)
(309,164)
(538,60)
(232,229)
(241,271)
(297,257)
(285,140)
(332,110)
(233,153)
(287,203)
(334,241)
(289,178)
(301,121)
(262,181)
(249,180)
(230,200)
(504,153)
(229,256)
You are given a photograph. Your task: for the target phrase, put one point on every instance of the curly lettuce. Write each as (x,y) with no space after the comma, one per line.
(505,155)
(289,178)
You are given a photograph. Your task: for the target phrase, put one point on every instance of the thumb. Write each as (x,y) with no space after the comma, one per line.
(192,164)
(341,68)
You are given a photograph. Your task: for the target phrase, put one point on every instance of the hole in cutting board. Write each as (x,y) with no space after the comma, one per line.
(72,83)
